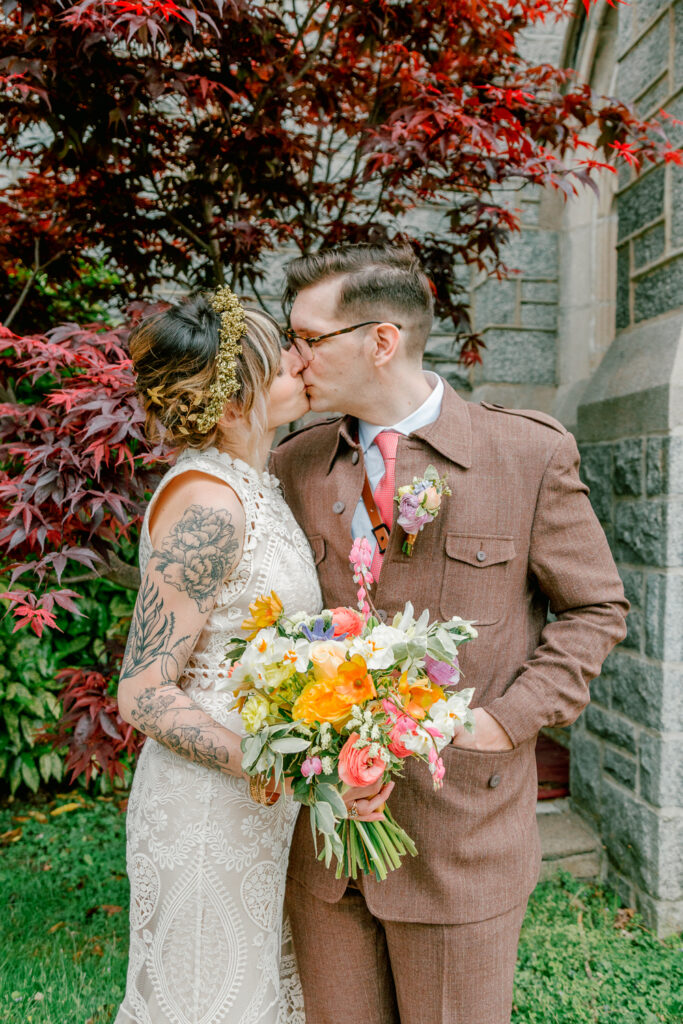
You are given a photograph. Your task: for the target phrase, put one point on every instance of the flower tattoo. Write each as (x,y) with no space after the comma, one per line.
(198,552)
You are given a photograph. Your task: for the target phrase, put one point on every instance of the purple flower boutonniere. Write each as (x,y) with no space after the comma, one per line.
(419,503)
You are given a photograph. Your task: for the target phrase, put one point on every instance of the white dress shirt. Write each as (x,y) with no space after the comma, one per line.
(374,463)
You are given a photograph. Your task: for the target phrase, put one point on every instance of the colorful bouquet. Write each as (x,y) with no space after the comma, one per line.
(419,504)
(341,699)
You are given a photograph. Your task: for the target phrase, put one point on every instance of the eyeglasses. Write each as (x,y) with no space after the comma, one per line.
(291,337)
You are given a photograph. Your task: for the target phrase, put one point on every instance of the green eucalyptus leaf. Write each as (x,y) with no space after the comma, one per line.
(288,745)
(330,795)
(324,817)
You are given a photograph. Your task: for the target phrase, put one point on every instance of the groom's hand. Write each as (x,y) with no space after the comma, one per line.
(487,735)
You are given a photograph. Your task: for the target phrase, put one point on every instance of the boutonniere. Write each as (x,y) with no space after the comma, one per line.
(419,503)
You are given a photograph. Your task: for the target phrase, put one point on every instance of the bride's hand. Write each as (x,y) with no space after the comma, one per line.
(369,800)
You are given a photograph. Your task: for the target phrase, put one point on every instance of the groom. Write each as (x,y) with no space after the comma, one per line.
(437,941)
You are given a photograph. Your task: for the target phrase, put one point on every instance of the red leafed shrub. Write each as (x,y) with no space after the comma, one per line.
(182,142)
(75,465)
(96,737)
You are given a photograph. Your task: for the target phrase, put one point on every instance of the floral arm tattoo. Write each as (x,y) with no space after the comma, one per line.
(198,552)
(195,559)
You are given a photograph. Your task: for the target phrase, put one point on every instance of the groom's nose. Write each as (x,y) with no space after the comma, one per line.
(304,352)
(299,362)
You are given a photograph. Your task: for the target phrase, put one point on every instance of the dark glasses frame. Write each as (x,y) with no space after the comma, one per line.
(291,337)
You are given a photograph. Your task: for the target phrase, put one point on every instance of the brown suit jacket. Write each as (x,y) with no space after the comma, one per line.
(517,537)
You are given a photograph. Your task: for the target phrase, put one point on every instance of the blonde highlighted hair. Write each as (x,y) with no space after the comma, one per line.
(174,357)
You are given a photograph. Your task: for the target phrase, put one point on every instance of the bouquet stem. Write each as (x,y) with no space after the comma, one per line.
(372,847)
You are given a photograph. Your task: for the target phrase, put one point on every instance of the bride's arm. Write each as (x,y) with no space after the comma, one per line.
(197,535)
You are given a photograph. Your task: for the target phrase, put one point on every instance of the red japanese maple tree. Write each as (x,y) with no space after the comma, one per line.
(184,142)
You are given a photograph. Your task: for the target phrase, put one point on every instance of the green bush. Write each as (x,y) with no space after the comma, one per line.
(29,689)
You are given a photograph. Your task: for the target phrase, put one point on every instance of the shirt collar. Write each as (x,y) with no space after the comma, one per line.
(420,417)
(450,433)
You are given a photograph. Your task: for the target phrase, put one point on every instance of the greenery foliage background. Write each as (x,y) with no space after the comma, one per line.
(29,687)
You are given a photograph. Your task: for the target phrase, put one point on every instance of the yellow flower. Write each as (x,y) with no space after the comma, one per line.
(319,702)
(419,694)
(255,712)
(265,611)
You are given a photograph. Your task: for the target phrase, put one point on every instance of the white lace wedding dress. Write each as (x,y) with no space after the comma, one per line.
(207,865)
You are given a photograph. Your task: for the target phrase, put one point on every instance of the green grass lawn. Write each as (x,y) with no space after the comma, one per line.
(64,932)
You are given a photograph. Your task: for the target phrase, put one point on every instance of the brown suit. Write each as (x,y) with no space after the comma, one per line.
(516,537)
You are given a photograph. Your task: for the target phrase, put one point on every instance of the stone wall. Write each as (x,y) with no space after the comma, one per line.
(627,750)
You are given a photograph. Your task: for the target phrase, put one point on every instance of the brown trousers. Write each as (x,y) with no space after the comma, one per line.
(355,967)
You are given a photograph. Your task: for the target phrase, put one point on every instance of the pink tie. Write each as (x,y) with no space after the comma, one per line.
(387,442)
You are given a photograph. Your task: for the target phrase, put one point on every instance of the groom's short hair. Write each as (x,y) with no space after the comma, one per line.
(384,282)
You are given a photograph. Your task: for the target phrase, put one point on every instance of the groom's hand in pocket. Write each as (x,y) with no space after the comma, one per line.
(487,735)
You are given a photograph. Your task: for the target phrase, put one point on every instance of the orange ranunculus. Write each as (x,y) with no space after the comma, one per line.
(320,702)
(265,611)
(354,682)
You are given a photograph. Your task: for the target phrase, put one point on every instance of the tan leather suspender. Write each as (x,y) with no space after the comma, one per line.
(379,527)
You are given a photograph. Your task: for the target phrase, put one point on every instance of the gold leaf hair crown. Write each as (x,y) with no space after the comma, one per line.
(230,330)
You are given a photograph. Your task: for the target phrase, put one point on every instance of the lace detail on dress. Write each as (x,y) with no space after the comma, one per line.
(207,865)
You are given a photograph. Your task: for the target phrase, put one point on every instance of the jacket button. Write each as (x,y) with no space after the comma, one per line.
(481,556)
(338,507)
(494,781)
(355,457)
(381,614)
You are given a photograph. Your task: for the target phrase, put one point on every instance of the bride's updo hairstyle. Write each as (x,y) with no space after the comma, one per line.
(181,374)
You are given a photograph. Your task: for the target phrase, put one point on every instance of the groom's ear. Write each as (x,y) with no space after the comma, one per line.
(386,338)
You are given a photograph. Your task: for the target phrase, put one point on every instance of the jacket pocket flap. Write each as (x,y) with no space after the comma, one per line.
(318,545)
(479,551)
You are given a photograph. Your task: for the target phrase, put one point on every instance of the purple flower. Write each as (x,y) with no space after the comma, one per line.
(311,766)
(441,672)
(409,517)
(319,632)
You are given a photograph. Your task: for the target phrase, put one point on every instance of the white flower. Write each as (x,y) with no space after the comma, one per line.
(408,625)
(325,736)
(257,655)
(292,652)
(298,617)
(328,765)
(377,647)
(448,714)
(375,733)
(464,627)
(418,741)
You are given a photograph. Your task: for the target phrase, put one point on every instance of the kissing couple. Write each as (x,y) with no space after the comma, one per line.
(215,861)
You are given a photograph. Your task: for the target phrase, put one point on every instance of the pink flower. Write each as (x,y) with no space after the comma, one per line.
(440,672)
(311,766)
(359,767)
(411,515)
(438,770)
(347,621)
(361,553)
(403,724)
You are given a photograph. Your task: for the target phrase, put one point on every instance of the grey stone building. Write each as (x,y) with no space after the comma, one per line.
(590,330)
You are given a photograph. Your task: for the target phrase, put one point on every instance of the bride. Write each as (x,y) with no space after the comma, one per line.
(207,847)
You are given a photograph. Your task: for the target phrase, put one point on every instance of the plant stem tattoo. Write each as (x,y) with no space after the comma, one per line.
(196,555)
(195,558)
(150,632)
